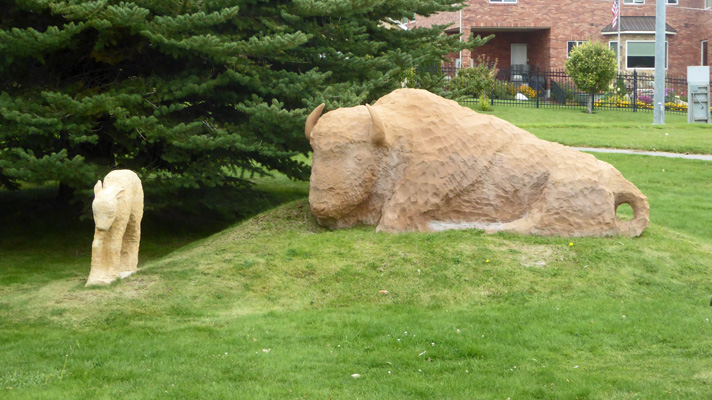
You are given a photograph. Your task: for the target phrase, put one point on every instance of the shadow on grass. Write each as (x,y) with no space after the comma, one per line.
(51,239)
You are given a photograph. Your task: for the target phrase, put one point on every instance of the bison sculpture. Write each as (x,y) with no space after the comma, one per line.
(415,161)
(118,210)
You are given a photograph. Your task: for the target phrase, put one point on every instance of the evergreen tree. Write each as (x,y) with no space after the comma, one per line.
(190,94)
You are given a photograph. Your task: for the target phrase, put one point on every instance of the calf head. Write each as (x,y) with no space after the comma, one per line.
(105,205)
(348,145)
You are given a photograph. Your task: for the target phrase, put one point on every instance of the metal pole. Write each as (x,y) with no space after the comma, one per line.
(659,101)
(618,53)
(461,38)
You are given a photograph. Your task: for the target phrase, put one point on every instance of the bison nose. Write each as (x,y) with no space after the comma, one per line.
(319,209)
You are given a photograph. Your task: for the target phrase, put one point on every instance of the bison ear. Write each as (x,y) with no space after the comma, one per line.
(378,130)
(97,187)
(311,120)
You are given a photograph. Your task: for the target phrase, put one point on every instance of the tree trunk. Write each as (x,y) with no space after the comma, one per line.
(8,183)
(65,193)
(590,103)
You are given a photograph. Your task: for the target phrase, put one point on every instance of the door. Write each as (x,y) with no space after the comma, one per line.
(519,54)
(519,70)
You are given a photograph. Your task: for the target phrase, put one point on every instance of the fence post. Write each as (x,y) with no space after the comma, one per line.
(536,83)
(635,90)
(492,92)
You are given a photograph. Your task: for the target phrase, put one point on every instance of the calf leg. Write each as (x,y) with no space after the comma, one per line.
(129,248)
(105,257)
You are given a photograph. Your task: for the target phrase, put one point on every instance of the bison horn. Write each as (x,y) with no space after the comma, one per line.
(311,120)
(97,187)
(378,130)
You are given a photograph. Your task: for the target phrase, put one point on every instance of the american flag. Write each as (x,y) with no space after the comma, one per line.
(615,10)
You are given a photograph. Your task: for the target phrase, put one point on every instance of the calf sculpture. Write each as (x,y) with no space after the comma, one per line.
(118,209)
(415,161)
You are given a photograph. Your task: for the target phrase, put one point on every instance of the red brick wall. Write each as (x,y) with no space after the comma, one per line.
(692,27)
(564,20)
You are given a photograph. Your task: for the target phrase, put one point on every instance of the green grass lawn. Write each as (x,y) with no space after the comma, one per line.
(278,307)
(610,128)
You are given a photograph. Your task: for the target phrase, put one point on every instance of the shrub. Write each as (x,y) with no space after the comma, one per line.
(592,66)
(485,104)
(476,81)
(503,90)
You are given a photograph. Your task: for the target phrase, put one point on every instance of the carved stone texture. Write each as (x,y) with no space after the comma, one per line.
(415,161)
(118,209)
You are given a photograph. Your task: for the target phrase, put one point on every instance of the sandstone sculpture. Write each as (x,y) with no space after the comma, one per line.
(118,209)
(415,161)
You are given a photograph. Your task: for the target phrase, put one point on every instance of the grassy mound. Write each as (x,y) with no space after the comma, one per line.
(278,307)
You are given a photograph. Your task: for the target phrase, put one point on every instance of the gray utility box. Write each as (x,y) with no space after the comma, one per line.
(698,94)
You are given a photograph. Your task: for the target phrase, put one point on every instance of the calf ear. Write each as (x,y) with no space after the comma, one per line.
(114,191)
(311,120)
(97,187)
(378,130)
(119,193)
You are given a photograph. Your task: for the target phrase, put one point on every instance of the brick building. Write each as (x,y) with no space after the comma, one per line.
(533,33)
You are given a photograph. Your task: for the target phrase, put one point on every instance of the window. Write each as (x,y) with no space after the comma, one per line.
(704,51)
(502,1)
(708,3)
(613,45)
(672,1)
(571,44)
(641,54)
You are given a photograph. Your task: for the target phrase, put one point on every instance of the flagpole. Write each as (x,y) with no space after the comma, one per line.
(618,61)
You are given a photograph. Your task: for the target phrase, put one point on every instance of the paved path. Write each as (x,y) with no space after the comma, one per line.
(704,157)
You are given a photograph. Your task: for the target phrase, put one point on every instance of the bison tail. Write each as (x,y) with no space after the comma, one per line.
(641,210)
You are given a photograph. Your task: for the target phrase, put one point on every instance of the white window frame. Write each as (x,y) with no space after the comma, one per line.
(577,43)
(667,51)
(642,2)
(503,1)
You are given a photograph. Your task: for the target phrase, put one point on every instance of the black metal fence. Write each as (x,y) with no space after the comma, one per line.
(526,86)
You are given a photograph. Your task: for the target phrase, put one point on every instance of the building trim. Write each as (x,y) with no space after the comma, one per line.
(637,33)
